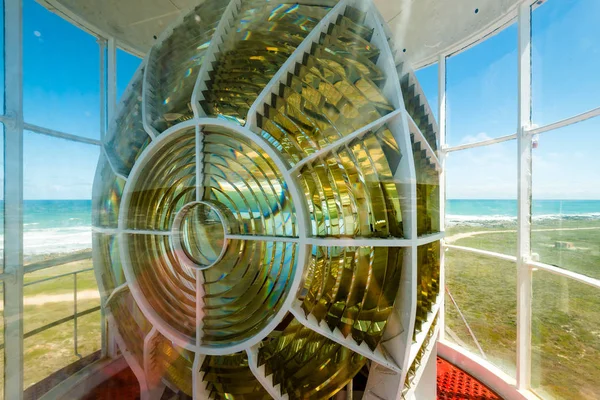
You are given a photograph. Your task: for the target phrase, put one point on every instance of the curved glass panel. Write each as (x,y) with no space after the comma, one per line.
(566,199)
(481,205)
(229,377)
(62,92)
(481,302)
(565,62)
(565,341)
(481,90)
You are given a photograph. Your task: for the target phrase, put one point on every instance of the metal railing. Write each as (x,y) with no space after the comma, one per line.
(76,314)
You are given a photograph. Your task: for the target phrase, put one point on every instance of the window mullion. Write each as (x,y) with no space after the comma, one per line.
(524,148)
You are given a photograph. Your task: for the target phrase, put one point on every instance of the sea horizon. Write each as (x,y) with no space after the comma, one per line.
(64,226)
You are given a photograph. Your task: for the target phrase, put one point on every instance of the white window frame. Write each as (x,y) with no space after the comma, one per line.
(13,190)
(525,265)
(14,124)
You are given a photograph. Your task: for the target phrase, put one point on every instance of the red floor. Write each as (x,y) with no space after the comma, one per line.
(452,383)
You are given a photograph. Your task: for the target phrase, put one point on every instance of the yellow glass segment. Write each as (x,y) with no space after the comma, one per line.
(108,266)
(306,365)
(332,93)
(177,62)
(166,183)
(352,192)
(167,285)
(229,377)
(263,39)
(131,323)
(353,289)
(415,107)
(244,179)
(106,198)
(173,363)
(417,362)
(126,137)
(428,193)
(428,281)
(246,289)
(248,285)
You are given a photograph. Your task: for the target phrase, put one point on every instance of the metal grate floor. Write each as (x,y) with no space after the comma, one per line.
(454,383)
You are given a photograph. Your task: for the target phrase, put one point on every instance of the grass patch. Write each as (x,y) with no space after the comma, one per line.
(53,349)
(566,313)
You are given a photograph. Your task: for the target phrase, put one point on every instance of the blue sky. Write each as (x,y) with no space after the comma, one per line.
(61,91)
(482,104)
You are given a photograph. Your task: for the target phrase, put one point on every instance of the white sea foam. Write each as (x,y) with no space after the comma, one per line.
(592,215)
(55,240)
(478,220)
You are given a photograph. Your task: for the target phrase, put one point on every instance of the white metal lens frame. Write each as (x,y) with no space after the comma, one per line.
(178,239)
(161,144)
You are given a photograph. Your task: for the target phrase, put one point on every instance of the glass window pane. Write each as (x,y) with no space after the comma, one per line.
(565,61)
(481,205)
(482,90)
(58,176)
(482,291)
(565,338)
(2,197)
(428,79)
(48,319)
(2,73)
(566,198)
(127,64)
(61,86)
(2,341)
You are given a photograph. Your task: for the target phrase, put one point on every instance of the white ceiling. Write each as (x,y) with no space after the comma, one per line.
(425,28)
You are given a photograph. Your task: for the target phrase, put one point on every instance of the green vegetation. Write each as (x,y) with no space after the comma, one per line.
(566,313)
(49,301)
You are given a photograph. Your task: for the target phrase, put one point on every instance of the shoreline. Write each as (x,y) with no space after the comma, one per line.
(32,258)
(465,235)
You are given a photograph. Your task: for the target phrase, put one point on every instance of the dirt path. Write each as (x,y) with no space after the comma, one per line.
(465,235)
(42,299)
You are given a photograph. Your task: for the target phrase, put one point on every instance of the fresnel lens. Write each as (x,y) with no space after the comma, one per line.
(266,208)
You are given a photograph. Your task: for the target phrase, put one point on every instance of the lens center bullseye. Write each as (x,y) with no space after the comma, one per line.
(199,235)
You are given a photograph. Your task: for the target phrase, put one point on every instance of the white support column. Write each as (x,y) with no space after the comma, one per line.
(104,329)
(112,79)
(13,200)
(442,158)
(524,290)
(111,107)
(103,96)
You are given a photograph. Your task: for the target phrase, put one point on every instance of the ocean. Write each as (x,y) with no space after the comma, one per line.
(55,226)
(63,226)
(478,212)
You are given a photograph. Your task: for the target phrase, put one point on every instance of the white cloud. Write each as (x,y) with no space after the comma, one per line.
(488,172)
(37,33)
(481,136)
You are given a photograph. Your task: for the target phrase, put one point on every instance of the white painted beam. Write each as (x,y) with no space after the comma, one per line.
(13,200)
(524,147)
